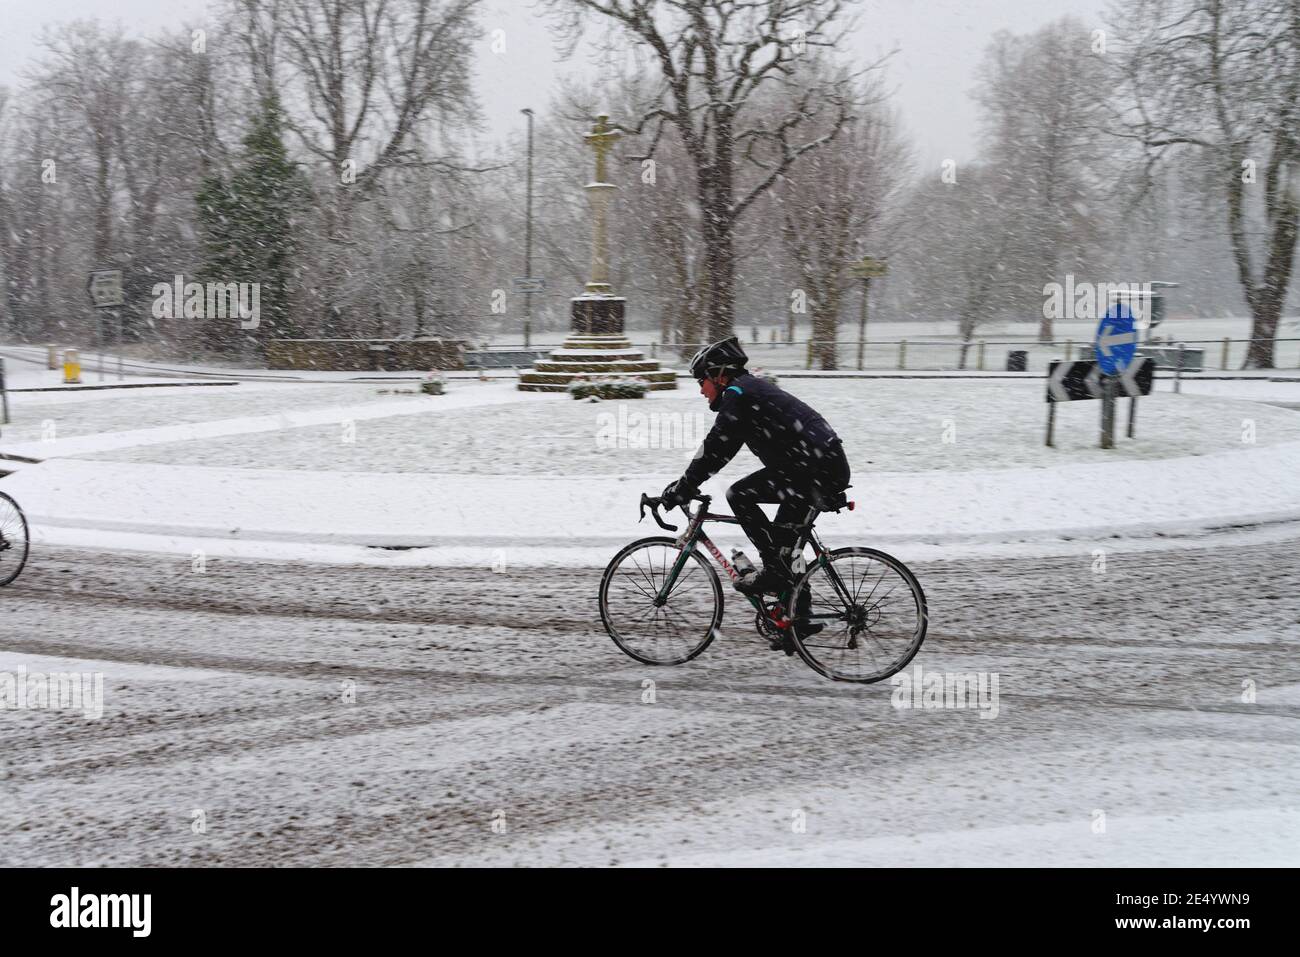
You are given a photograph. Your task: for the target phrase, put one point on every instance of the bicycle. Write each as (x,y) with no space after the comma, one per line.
(14,542)
(659,613)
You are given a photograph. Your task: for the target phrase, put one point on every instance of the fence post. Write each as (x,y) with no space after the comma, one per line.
(4,393)
(1069,349)
(979,357)
(1178,372)
(902,353)
(654,350)
(1224,364)
(808,360)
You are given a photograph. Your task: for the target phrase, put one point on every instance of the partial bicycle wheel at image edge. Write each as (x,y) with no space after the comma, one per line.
(872,612)
(14,542)
(654,629)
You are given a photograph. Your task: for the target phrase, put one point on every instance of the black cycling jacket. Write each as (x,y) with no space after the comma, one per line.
(785,433)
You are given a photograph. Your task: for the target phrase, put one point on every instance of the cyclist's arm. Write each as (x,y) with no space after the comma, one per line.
(721,444)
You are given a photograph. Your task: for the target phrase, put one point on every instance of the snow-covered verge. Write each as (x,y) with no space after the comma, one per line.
(512,513)
(490,428)
(488,475)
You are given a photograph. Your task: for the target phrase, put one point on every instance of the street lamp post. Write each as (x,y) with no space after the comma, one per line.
(528,235)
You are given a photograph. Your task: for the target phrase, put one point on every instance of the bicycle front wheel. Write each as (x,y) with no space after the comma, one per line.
(13,539)
(668,633)
(871,611)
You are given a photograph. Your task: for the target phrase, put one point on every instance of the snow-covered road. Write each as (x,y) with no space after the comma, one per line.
(264,713)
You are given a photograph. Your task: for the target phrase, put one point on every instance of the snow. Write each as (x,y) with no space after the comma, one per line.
(1209,839)
(488,474)
(514,511)
(887,426)
(354,406)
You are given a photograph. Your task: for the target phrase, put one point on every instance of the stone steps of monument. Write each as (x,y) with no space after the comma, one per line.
(597,342)
(599,357)
(555,387)
(599,365)
(592,353)
(664,379)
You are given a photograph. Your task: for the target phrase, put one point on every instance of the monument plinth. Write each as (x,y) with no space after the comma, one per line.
(596,346)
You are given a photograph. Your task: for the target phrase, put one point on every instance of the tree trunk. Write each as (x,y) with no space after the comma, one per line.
(1264,299)
(825,328)
(1264,318)
(966,328)
(720,304)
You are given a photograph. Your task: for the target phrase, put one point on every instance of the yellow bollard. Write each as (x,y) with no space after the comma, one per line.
(71,367)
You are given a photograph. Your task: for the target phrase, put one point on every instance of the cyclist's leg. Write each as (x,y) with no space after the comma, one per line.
(745,496)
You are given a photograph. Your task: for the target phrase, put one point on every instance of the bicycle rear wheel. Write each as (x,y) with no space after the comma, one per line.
(668,634)
(872,612)
(14,543)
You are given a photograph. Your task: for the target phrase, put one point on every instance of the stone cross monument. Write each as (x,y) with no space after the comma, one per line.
(596,346)
(599,193)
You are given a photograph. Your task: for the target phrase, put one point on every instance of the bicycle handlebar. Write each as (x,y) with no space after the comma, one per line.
(655,503)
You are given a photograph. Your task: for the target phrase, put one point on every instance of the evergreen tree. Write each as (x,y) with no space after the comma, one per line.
(249,233)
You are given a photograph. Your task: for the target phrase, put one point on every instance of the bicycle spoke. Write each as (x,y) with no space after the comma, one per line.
(637,585)
(871,636)
(668,631)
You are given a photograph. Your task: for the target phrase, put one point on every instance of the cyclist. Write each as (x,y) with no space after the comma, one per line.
(803,459)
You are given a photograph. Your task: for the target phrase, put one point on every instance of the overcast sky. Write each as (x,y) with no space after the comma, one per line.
(940,43)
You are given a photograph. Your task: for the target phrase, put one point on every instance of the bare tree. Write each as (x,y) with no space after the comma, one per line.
(713,58)
(86,70)
(828,206)
(364,84)
(1223,77)
(1044,98)
(953,254)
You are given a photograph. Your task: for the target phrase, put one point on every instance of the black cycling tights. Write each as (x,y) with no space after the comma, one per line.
(791,493)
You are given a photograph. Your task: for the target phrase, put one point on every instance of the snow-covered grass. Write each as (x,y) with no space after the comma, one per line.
(1089,501)
(73,414)
(487,467)
(887,425)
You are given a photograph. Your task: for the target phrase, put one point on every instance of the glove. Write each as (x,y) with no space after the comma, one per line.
(676,494)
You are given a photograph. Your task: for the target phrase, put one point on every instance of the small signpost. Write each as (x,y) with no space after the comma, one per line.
(866,269)
(1084,379)
(105,288)
(529,285)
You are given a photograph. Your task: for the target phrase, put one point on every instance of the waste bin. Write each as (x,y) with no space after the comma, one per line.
(71,366)
(1017,360)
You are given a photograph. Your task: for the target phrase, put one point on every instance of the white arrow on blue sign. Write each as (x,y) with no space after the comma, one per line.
(1116,342)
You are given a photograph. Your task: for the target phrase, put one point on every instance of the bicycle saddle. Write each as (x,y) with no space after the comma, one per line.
(830,501)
